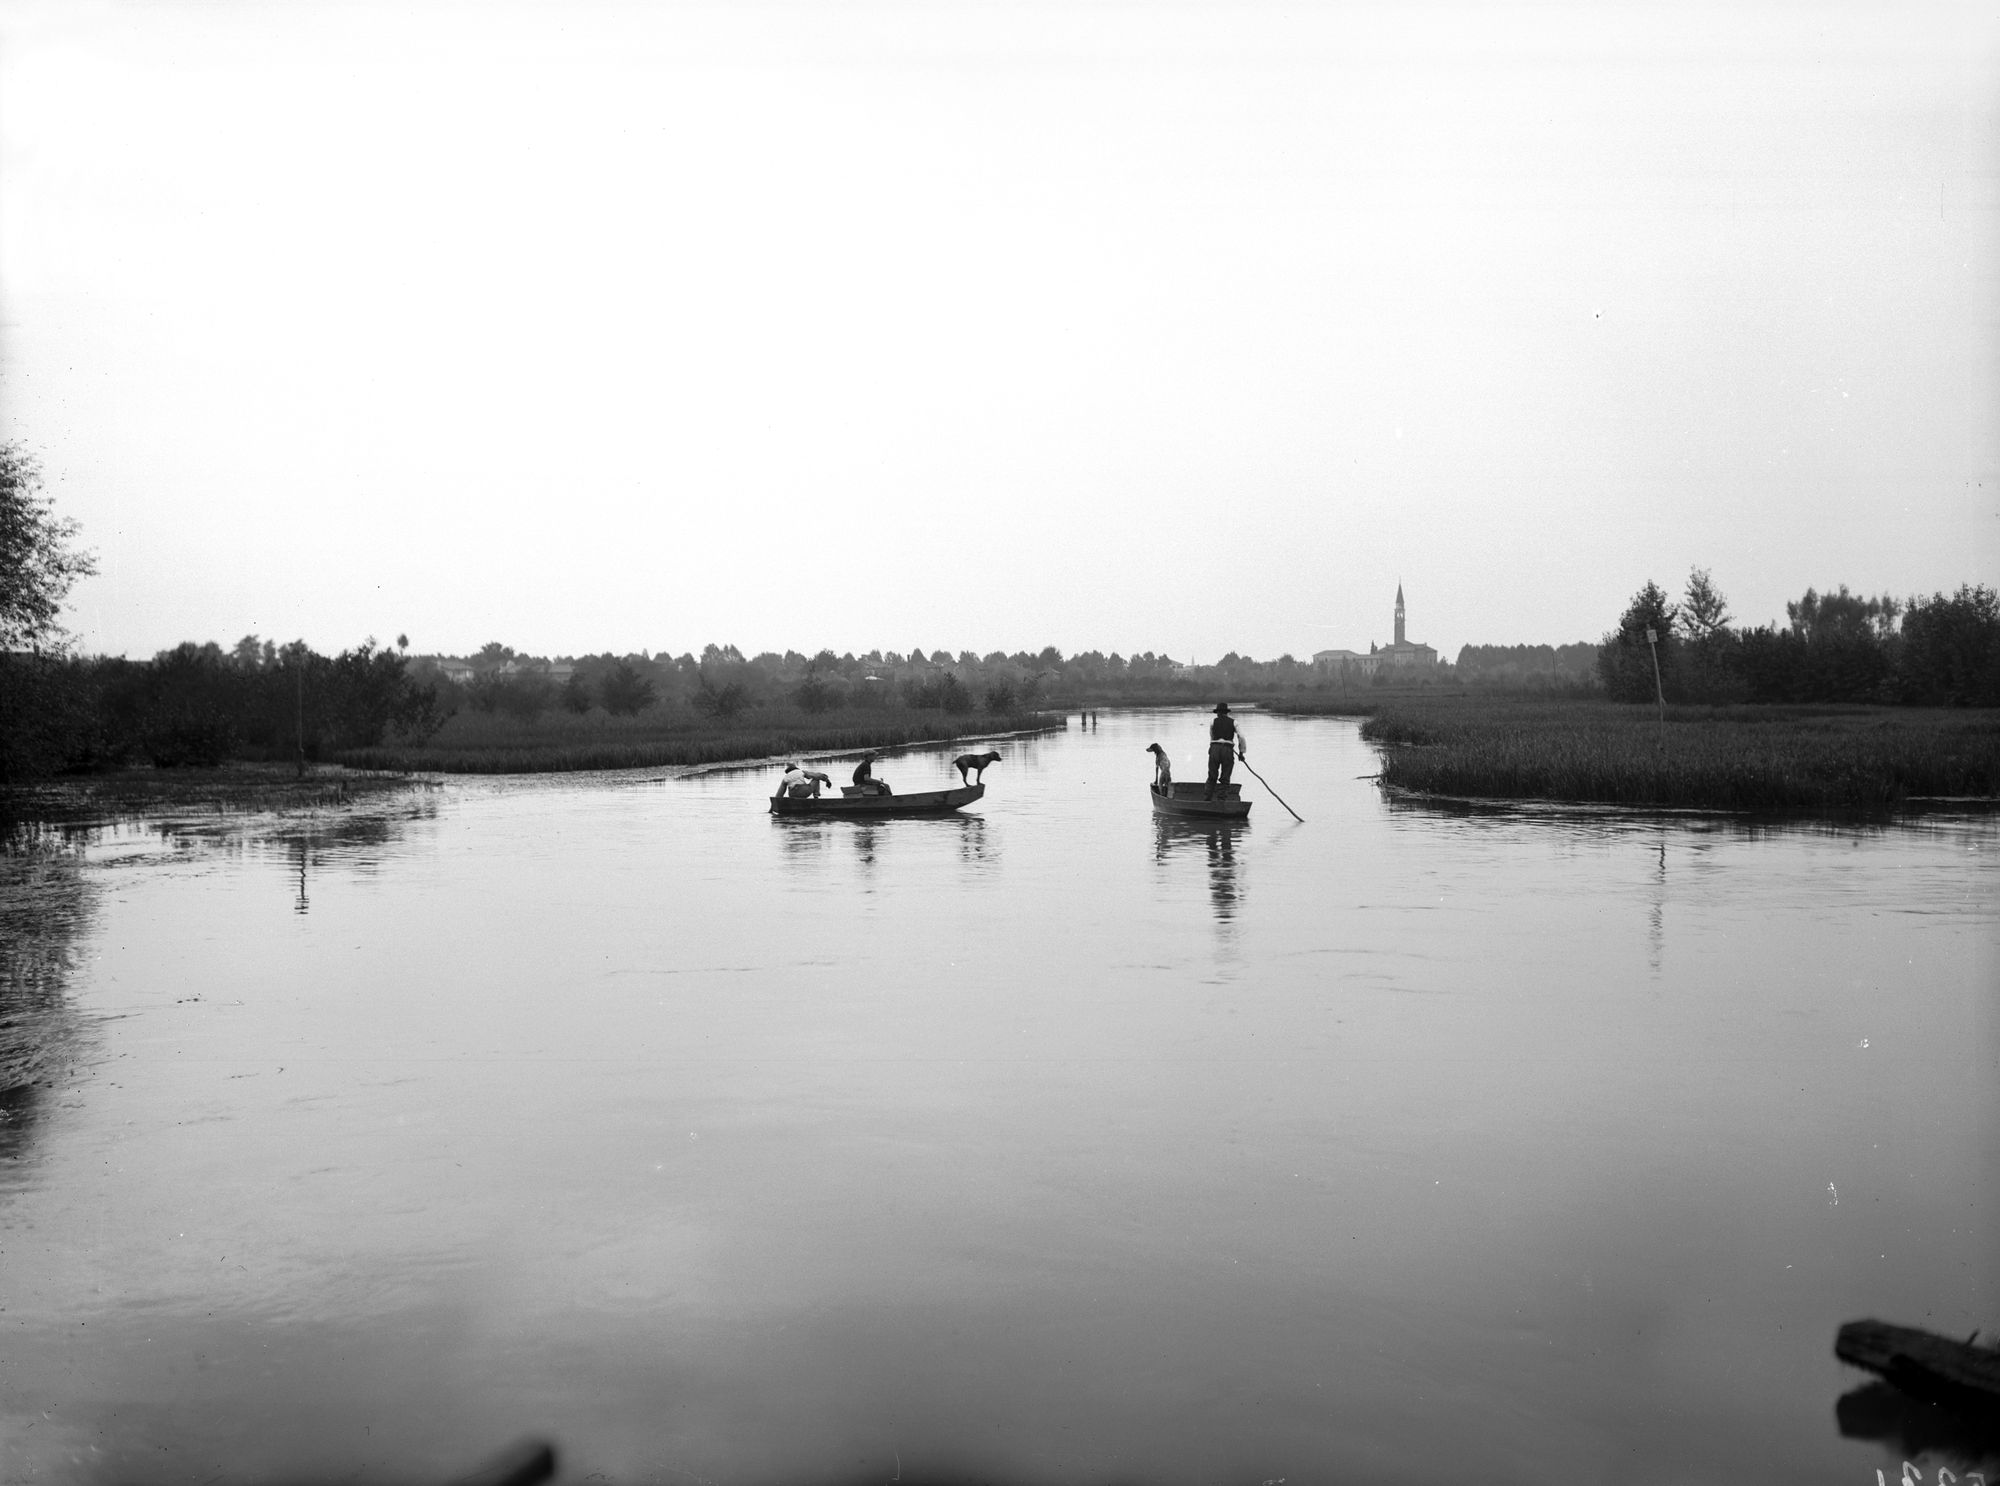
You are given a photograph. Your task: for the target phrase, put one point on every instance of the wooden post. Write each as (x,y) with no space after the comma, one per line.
(1652,644)
(298,661)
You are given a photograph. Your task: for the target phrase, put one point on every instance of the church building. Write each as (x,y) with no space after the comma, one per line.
(1405,654)
(1401,656)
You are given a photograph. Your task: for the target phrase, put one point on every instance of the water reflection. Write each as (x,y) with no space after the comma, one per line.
(974,847)
(360,844)
(45,910)
(865,841)
(1914,1429)
(803,840)
(1178,840)
(1656,924)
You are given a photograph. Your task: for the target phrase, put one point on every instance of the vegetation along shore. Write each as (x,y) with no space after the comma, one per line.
(1855,702)
(1815,759)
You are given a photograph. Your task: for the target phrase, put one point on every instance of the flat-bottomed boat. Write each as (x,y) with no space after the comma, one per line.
(1190,802)
(853,804)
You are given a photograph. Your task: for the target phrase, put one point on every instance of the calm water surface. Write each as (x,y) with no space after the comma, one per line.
(1044,1144)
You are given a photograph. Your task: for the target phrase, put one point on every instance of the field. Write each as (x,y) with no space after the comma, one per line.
(490,743)
(1710,758)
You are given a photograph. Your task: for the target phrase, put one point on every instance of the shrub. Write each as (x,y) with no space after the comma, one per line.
(626,692)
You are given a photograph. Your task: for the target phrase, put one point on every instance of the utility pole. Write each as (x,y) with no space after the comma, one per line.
(1653,645)
(299,672)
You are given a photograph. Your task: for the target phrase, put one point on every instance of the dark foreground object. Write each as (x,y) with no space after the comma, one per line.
(527,1464)
(1877,1411)
(1957,1375)
(530,1462)
(879,807)
(1187,801)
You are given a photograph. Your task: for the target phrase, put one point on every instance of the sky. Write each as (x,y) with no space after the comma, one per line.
(1182,328)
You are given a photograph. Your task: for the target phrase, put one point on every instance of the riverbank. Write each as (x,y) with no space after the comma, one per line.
(126,793)
(1813,759)
(485,743)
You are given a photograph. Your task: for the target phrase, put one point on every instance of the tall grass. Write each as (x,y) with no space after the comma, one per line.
(1717,758)
(490,743)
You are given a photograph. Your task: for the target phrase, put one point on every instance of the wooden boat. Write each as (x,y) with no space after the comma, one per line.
(1187,803)
(1930,1368)
(852,804)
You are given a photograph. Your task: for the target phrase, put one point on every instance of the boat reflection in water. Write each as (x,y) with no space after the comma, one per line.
(1177,840)
(806,840)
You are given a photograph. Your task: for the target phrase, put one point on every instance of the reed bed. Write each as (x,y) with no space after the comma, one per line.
(1721,758)
(480,743)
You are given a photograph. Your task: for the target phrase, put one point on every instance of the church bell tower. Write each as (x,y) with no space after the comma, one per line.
(1399,614)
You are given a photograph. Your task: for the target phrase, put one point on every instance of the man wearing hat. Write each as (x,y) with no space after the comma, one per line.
(864,776)
(1225,747)
(802,783)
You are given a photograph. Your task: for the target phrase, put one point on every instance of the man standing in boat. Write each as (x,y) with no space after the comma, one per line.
(1225,747)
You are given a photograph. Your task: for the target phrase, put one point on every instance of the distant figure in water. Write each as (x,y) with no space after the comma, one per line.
(1163,772)
(976,762)
(1225,747)
(864,777)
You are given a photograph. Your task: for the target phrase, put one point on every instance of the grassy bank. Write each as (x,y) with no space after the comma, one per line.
(1711,758)
(488,743)
(144,792)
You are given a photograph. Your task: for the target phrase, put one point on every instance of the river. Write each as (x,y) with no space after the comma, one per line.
(1043,1144)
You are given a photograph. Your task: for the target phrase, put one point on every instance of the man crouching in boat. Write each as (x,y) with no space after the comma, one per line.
(801,783)
(1225,747)
(865,781)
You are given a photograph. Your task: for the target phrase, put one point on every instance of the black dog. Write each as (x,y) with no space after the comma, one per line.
(975,763)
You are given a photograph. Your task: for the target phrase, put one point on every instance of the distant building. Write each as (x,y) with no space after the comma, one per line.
(1404,654)
(1351,660)
(1400,656)
(455,670)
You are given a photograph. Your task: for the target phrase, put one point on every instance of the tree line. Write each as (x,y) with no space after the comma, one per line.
(1943,650)
(199,705)
(723,682)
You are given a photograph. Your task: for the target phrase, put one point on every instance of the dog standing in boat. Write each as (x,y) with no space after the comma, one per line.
(972,766)
(1163,772)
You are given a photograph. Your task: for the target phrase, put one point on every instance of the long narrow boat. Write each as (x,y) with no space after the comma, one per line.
(1187,802)
(852,805)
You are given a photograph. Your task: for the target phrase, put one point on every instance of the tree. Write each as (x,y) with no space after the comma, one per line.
(1625,659)
(1705,611)
(815,694)
(38,561)
(1823,616)
(626,693)
(1951,648)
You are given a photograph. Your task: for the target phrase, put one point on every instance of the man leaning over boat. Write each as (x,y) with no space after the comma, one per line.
(801,783)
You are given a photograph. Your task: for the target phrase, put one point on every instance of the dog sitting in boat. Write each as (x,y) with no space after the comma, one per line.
(972,766)
(1163,772)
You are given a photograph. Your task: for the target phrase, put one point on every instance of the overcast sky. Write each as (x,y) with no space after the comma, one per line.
(1181,327)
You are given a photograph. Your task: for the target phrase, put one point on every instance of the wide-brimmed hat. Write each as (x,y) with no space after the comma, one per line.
(1222,706)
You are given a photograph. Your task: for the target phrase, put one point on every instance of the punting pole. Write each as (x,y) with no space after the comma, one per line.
(1274,794)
